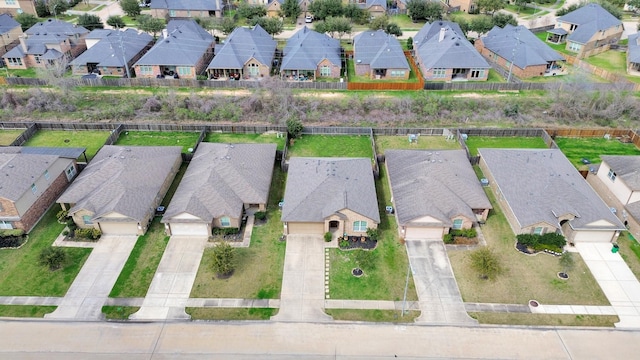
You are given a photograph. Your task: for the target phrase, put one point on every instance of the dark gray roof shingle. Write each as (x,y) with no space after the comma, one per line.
(529,50)
(633,51)
(446,48)
(109,50)
(538,183)
(379,50)
(19,171)
(319,187)
(626,167)
(49,32)
(7,23)
(221,178)
(436,183)
(307,48)
(590,19)
(242,45)
(64,152)
(185,44)
(209,5)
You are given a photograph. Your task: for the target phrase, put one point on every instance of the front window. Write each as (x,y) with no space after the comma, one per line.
(457,224)
(6,224)
(439,73)
(146,70)
(325,71)
(10,2)
(34,188)
(398,73)
(172,13)
(612,175)
(574,47)
(87,219)
(254,69)
(538,230)
(15,61)
(46,175)
(183,71)
(360,226)
(225,221)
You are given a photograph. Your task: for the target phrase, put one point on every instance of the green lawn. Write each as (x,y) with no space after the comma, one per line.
(494,76)
(32,311)
(612,61)
(269,137)
(331,146)
(521,10)
(159,138)
(525,277)
(26,73)
(21,273)
(557,47)
(258,273)
(351,71)
(405,23)
(8,136)
(515,142)
(630,252)
(92,140)
(373,315)
(591,148)
(119,312)
(230,314)
(424,142)
(524,319)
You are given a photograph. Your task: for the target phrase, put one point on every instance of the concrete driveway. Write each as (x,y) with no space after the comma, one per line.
(92,286)
(171,285)
(438,293)
(302,296)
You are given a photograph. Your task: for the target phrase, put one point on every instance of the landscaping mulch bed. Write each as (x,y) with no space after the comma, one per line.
(460,240)
(356,242)
(12,242)
(529,251)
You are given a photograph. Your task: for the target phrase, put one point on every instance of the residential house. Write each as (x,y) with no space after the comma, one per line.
(120,189)
(379,56)
(374,7)
(172,9)
(443,53)
(621,177)
(541,192)
(433,191)
(220,184)
(275,6)
(633,55)
(16,7)
(183,51)
(587,31)
(245,54)
(112,52)
(335,195)
(309,55)
(516,44)
(10,32)
(31,181)
(468,6)
(47,43)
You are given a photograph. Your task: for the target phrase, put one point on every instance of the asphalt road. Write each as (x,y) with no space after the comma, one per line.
(272,340)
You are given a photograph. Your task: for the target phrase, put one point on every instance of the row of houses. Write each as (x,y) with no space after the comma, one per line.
(432,191)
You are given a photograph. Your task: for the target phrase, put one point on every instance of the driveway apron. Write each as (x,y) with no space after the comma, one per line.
(91,288)
(438,293)
(302,296)
(171,285)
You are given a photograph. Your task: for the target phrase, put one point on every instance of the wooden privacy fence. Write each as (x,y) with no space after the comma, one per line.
(419,85)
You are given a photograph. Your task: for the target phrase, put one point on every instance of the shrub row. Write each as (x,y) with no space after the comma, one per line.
(91,233)
(549,241)
(225,231)
(466,233)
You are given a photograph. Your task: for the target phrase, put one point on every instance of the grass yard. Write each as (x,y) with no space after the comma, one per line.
(387,280)
(591,148)
(159,138)
(351,71)
(266,138)
(424,142)
(26,73)
(32,311)
(90,139)
(545,320)
(557,47)
(630,252)
(613,61)
(373,315)
(515,142)
(494,76)
(21,273)
(405,23)
(258,273)
(230,314)
(174,185)
(8,136)
(331,146)
(525,277)
(119,312)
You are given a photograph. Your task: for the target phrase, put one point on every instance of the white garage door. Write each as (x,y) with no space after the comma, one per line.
(423,233)
(593,236)
(305,228)
(115,228)
(189,229)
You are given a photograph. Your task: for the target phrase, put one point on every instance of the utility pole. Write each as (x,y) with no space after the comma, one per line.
(513,54)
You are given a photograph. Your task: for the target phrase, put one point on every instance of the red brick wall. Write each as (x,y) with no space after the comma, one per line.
(31,217)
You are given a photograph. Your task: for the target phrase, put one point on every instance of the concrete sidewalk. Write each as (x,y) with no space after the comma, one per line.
(618,283)
(92,286)
(171,285)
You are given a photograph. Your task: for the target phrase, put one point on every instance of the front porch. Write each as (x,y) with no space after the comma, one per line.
(557,36)
(298,75)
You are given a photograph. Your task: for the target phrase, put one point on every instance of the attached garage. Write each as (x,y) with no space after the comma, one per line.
(591,236)
(189,229)
(119,228)
(414,232)
(305,228)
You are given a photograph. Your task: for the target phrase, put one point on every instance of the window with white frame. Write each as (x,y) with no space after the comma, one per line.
(15,61)
(183,70)
(86,219)
(10,2)
(6,224)
(71,172)
(225,221)
(574,47)
(254,69)
(439,73)
(477,73)
(360,226)
(612,175)
(146,70)
(34,188)
(398,73)
(457,224)
(325,70)
(46,175)
(36,58)
(172,13)
(538,230)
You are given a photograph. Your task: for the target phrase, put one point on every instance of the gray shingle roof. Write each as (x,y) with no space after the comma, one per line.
(184,45)
(242,45)
(50,32)
(64,152)
(590,19)
(122,179)
(223,177)
(538,183)
(626,167)
(7,23)
(18,172)
(529,50)
(109,50)
(440,184)
(633,51)
(369,3)
(306,48)
(319,187)
(431,29)
(379,50)
(210,5)
(450,51)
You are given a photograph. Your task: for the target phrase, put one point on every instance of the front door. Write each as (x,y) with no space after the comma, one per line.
(334,225)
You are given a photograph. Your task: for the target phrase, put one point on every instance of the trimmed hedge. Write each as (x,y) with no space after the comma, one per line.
(225,231)
(549,241)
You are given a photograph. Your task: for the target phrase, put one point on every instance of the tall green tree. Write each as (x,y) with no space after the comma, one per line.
(502,19)
(41,9)
(90,22)
(424,10)
(150,25)
(634,4)
(486,263)
(226,25)
(337,26)
(271,25)
(491,6)
(116,21)
(223,261)
(357,14)
(481,24)
(291,10)
(322,9)
(26,20)
(57,7)
(130,7)
(248,11)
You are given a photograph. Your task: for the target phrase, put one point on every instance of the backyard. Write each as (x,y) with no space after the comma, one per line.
(187,140)
(612,61)
(89,139)
(422,142)
(516,142)
(265,138)
(576,149)
(8,136)
(351,71)
(331,146)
